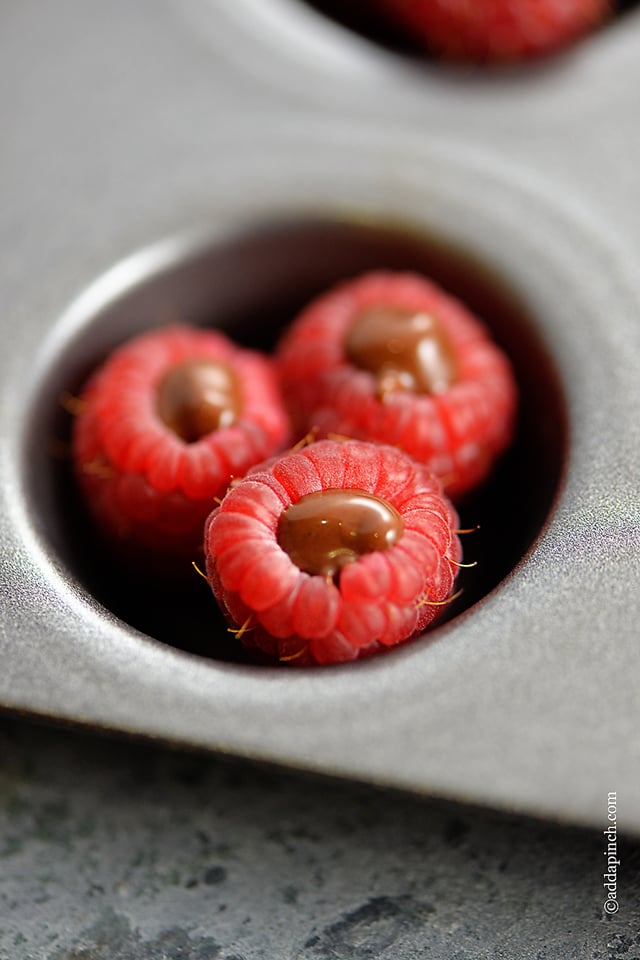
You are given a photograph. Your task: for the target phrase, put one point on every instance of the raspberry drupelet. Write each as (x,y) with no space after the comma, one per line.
(496,31)
(333,552)
(162,428)
(391,357)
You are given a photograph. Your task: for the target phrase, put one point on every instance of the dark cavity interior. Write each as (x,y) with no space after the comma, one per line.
(251,286)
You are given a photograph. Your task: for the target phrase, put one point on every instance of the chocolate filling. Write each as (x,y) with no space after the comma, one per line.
(324,531)
(406,350)
(197,397)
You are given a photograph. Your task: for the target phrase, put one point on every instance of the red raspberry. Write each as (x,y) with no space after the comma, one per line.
(393,358)
(333,552)
(164,425)
(496,30)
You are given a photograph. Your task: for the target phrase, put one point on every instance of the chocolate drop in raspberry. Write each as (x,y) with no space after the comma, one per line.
(405,350)
(197,397)
(325,530)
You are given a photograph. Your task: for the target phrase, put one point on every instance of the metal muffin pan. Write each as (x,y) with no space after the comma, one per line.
(243,198)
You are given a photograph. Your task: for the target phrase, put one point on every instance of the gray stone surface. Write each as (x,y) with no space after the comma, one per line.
(127,851)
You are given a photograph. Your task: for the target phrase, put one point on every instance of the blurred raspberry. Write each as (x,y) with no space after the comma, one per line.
(163,426)
(391,357)
(496,30)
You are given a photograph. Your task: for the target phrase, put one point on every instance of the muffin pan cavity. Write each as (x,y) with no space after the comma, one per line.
(251,283)
(344,57)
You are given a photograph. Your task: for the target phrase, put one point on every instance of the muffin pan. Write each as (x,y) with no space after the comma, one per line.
(251,174)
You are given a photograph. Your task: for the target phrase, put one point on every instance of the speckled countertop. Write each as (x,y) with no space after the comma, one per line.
(115,850)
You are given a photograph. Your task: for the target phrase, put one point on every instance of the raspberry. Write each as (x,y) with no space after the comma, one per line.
(163,426)
(393,358)
(496,30)
(333,552)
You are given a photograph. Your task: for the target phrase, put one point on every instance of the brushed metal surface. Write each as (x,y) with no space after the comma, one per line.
(127,126)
